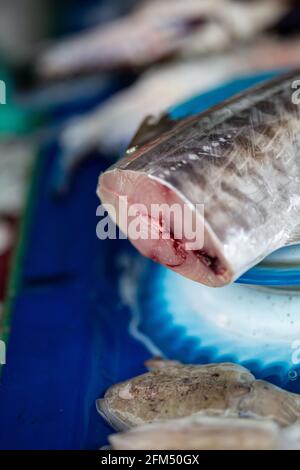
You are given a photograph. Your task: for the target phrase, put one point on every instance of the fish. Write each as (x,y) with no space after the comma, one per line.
(267,400)
(198,432)
(173,390)
(156,30)
(232,172)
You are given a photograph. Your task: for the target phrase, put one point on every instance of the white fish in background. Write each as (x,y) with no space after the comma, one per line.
(157,29)
(111,127)
(291,437)
(199,432)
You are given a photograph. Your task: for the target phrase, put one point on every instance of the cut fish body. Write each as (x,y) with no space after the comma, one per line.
(240,161)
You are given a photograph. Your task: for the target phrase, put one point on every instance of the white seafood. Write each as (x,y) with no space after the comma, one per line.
(158,29)
(201,433)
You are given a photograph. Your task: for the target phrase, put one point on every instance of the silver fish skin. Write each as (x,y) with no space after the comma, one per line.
(175,391)
(240,161)
(201,433)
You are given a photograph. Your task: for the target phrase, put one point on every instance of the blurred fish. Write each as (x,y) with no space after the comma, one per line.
(239,161)
(271,53)
(111,127)
(201,433)
(158,29)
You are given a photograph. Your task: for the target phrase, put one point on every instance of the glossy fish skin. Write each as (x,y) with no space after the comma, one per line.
(241,161)
(201,433)
(175,391)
